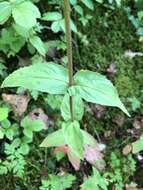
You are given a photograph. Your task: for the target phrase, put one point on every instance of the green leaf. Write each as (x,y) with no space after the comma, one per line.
(16,142)
(28,133)
(52,16)
(96,88)
(44,77)
(72,25)
(118,2)
(96,182)
(1,134)
(78,108)
(73,138)
(55,27)
(137,146)
(58,182)
(24,149)
(67,180)
(73,2)
(79,9)
(99,1)
(57,139)
(33,125)
(25,14)
(9,133)
(3,113)
(30,126)
(5,11)
(38,44)
(37,125)
(99,179)
(53,140)
(88,3)
(24,32)
(54,101)
(88,139)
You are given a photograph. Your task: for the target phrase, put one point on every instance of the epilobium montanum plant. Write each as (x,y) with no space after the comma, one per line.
(84,85)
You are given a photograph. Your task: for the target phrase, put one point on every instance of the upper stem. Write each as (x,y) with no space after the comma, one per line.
(69,49)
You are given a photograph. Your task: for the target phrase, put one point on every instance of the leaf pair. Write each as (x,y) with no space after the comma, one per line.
(58,22)
(53,78)
(72,136)
(24,13)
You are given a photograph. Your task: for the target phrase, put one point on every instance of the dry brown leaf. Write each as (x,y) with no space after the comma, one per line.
(38,113)
(127,149)
(107,134)
(129,187)
(138,122)
(19,103)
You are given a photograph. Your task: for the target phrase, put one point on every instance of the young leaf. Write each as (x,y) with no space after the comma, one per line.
(73,2)
(73,138)
(52,16)
(9,133)
(3,113)
(5,11)
(96,88)
(33,125)
(55,27)
(44,77)
(1,134)
(25,14)
(24,149)
(78,108)
(88,3)
(53,140)
(38,44)
(28,133)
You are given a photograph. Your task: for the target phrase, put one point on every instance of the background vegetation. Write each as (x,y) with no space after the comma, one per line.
(107,37)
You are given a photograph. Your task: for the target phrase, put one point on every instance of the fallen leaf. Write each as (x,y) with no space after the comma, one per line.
(94,156)
(74,160)
(129,187)
(138,122)
(39,114)
(107,134)
(19,103)
(127,149)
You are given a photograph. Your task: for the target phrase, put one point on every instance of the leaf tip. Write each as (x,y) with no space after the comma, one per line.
(123,108)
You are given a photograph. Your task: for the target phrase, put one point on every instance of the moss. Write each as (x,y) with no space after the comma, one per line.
(110,35)
(124,79)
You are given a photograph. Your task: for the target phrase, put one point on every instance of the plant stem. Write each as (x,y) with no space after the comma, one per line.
(69,49)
